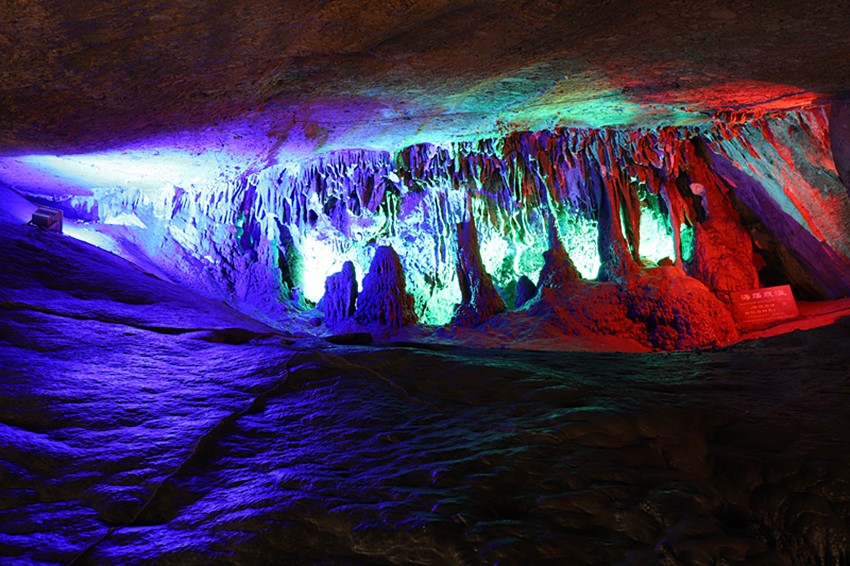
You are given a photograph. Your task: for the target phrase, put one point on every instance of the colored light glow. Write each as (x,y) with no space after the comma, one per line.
(507,260)
(321,259)
(433,283)
(79,174)
(494,250)
(656,238)
(441,306)
(92,236)
(528,262)
(124,219)
(687,234)
(580,237)
(435,294)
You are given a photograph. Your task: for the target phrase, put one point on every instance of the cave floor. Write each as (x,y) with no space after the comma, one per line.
(140,425)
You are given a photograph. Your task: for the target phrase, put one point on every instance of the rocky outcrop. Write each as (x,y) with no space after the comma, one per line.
(385,302)
(340,299)
(661,308)
(783,171)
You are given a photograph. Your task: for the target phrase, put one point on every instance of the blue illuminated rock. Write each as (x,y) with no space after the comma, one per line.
(525,291)
(385,301)
(340,300)
(622,199)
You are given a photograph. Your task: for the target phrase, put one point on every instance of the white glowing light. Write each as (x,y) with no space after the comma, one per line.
(124,219)
(148,169)
(494,248)
(90,235)
(656,238)
(580,236)
(320,259)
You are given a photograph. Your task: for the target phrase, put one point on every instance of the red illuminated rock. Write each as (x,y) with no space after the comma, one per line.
(662,308)
(679,312)
(558,269)
(723,257)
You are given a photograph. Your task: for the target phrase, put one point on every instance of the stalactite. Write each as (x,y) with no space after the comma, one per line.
(338,207)
(678,213)
(617,262)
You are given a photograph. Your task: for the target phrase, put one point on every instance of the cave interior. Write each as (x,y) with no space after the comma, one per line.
(424,282)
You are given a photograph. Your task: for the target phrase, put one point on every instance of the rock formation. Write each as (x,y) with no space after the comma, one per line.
(260,239)
(480,300)
(340,299)
(558,269)
(723,257)
(661,308)
(525,291)
(385,302)
(678,312)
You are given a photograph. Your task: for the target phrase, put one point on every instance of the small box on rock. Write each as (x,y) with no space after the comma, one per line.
(48,218)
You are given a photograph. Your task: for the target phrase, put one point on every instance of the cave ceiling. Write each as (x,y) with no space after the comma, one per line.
(320,75)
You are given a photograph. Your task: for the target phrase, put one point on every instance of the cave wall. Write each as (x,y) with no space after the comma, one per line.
(839,137)
(619,200)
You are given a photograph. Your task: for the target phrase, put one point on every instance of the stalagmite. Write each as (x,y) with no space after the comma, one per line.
(253,239)
(525,291)
(678,312)
(385,301)
(340,299)
(558,269)
(480,300)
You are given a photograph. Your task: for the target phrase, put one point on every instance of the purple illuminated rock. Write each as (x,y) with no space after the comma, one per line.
(525,291)
(253,240)
(385,301)
(480,300)
(839,139)
(340,300)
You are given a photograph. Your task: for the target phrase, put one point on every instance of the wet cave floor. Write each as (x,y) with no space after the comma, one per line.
(135,428)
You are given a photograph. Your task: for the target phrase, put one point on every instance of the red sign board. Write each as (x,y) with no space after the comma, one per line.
(764,306)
